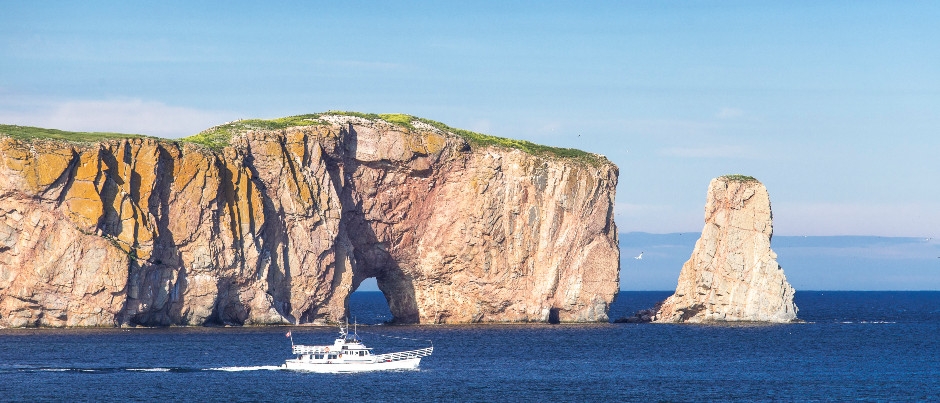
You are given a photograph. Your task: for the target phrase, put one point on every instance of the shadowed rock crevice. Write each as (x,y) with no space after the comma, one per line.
(399,292)
(157,282)
(372,255)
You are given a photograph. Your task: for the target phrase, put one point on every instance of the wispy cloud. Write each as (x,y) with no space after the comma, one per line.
(656,218)
(116,115)
(551,127)
(899,219)
(365,65)
(667,128)
(729,113)
(710,152)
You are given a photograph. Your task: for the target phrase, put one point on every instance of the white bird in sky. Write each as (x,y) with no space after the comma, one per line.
(639,257)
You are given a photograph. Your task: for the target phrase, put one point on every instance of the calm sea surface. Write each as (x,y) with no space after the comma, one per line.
(867,346)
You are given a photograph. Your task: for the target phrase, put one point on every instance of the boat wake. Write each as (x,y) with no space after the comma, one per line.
(27,369)
(93,370)
(255,368)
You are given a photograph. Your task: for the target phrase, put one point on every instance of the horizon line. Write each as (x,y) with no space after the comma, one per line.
(787,235)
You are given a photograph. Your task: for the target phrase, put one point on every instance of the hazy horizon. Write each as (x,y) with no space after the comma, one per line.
(811,263)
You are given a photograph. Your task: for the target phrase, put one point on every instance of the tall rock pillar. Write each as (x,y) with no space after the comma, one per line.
(733,274)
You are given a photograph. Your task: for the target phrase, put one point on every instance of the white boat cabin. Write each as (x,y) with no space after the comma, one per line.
(348,354)
(347,348)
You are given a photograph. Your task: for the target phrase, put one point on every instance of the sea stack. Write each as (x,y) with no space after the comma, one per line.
(733,275)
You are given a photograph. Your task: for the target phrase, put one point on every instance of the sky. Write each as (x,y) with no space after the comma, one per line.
(833,105)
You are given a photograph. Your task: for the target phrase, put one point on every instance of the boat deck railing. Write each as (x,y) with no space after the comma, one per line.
(302,349)
(404,355)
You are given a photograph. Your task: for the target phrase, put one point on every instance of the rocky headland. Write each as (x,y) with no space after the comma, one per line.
(277,222)
(732,275)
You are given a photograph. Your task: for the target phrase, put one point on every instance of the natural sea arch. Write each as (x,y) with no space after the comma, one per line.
(368,304)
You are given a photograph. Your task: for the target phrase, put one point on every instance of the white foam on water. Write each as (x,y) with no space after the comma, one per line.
(255,368)
(149,369)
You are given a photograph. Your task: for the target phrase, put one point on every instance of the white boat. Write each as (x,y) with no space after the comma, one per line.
(348,354)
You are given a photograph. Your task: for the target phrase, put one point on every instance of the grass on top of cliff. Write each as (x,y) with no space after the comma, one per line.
(29,133)
(477,139)
(740,178)
(219,137)
(483,140)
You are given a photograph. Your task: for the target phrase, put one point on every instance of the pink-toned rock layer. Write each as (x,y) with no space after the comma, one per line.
(283,225)
(733,274)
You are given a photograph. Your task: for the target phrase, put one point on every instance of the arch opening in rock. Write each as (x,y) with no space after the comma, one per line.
(368,305)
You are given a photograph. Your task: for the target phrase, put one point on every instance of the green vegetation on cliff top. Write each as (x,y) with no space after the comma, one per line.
(218,137)
(28,133)
(739,178)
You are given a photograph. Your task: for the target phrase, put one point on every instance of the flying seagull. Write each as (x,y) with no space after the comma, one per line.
(639,257)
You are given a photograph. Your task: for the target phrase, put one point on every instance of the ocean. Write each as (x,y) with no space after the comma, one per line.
(862,346)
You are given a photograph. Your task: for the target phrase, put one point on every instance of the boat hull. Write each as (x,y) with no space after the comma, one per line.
(345,367)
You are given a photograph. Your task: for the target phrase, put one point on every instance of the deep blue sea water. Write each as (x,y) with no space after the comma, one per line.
(855,346)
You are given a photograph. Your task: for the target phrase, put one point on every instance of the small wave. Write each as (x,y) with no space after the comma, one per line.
(868,322)
(64,370)
(255,368)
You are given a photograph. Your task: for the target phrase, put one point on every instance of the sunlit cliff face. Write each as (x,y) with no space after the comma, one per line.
(282,225)
(732,274)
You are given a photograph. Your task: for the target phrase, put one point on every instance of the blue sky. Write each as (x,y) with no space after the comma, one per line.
(832,105)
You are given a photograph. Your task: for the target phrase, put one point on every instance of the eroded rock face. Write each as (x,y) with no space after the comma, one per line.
(283,225)
(733,274)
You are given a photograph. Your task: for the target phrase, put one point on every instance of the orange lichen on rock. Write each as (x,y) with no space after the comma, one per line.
(282,225)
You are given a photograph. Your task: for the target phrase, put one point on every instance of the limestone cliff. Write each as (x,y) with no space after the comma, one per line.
(281,225)
(733,274)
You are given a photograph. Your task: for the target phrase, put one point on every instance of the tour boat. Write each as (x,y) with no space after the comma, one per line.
(348,354)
